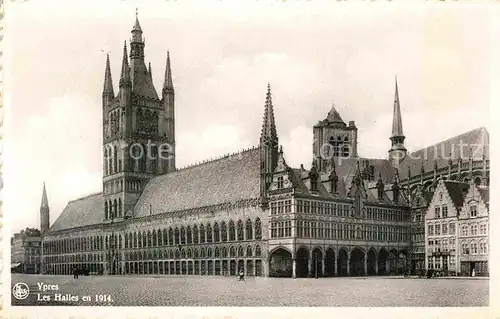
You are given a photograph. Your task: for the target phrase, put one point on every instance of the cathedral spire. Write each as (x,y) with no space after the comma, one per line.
(125,73)
(268,131)
(45,201)
(398,151)
(108,82)
(397,123)
(168,84)
(44,212)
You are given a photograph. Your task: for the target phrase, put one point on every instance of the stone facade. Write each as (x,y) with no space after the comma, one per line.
(250,211)
(457,229)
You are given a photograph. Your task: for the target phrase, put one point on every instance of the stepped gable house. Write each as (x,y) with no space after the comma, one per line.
(249,210)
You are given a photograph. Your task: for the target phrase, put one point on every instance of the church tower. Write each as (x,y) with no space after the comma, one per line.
(397,153)
(268,148)
(334,139)
(44,212)
(138,132)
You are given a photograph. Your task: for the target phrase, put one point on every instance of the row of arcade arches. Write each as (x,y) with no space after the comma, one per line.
(344,262)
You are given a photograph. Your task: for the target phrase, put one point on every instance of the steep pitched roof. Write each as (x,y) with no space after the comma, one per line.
(226,180)
(457,192)
(142,84)
(80,212)
(478,139)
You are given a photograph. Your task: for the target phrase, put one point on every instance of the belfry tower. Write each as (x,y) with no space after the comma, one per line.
(138,129)
(397,153)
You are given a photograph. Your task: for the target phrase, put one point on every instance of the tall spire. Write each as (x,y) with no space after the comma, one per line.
(44,212)
(397,153)
(45,201)
(125,73)
(397,124)
(268,131)
(108,82)
(136,30)
(168,84)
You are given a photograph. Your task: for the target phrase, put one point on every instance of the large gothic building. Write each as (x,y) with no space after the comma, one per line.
(251,211)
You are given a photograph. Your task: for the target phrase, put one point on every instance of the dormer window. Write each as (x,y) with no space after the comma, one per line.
(440,196)
(280,182)
(473,211)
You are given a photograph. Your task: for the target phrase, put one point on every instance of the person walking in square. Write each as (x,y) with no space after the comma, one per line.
(75,273)
(242,275)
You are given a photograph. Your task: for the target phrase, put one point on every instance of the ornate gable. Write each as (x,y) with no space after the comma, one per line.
(281,176)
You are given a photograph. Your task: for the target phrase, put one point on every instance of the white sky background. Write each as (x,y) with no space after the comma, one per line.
(223,54)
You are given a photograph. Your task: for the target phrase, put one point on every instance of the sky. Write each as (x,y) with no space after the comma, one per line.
(223,55)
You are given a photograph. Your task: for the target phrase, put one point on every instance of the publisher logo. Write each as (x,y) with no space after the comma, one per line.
(20,291)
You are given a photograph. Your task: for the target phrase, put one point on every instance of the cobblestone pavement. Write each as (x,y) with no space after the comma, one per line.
(227,291)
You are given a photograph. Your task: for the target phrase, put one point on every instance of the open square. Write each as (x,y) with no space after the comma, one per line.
(256,291)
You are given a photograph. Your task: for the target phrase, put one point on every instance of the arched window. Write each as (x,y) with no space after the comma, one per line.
(139,240)
(223,231)
(216,233)
(115,159)
(217,253)
(196,253)
(189,254)
(189,235)
(209,252)
(241,253)
(183,235)
(232,251)
(195,234)
(258,229)
(158,238)
(170,237)
(177,236)
(257,251)
(224,252)
(119,207)
(249,229)
(202,234)
(165,237)
(149,239)
(154,243)
(240,230)
(106,171)
(106,213)
(202,253)
(115,209)
(232,231)
(144,239)
(126,241)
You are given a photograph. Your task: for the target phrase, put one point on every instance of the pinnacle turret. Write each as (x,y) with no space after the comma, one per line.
(168,83)
(125,72)
(108,82)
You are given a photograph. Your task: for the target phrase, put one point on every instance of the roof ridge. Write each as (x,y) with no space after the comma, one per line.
(215,159)
(479,129)
(85,197)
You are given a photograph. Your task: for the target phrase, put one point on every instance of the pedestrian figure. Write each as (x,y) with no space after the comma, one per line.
(242,275)
(75,273)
